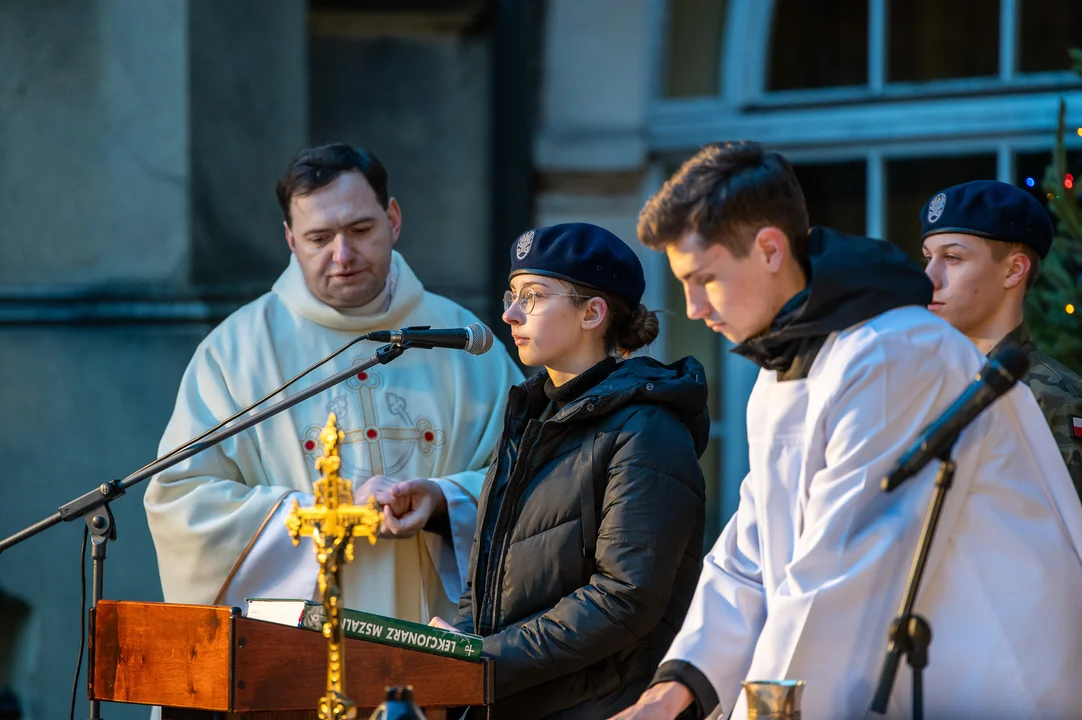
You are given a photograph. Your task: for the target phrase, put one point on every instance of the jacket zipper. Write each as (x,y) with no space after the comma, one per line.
(480,595)
(508,510)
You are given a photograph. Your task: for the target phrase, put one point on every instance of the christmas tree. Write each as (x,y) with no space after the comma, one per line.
(1054,304)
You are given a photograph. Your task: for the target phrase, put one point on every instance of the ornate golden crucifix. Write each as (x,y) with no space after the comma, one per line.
(332,522)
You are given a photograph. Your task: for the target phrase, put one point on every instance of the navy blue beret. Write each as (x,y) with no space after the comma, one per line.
(989,209)
(584,254)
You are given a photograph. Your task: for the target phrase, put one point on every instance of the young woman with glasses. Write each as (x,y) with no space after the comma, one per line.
(590,525)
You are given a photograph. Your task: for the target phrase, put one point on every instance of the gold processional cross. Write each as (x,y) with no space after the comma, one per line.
(332,522)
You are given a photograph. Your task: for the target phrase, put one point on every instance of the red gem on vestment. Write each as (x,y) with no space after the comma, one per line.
(372,434)
(429,436)
(310,445)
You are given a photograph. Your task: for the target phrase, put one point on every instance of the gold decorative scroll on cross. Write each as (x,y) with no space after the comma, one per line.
(332,522)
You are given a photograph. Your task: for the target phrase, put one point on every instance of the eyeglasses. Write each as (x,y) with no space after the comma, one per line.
(528,300)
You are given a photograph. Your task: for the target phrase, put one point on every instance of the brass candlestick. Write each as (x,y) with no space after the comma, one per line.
(332,522)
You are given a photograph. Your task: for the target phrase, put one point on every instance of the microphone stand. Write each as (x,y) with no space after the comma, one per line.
(94,505)
(910,634)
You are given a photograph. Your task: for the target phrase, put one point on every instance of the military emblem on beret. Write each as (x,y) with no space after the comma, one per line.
(936,207)
(524,245)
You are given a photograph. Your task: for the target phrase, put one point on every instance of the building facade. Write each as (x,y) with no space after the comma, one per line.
(139,144)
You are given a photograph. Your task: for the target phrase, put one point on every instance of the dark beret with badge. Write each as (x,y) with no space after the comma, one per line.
(992,210)
(584,254)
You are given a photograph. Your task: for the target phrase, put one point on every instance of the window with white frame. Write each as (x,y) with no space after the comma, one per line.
(878,104)
(862,49)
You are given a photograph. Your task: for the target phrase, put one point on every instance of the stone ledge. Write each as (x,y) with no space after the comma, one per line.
(590,149)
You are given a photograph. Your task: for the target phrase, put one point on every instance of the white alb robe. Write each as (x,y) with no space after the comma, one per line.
(218,519)
(806,577)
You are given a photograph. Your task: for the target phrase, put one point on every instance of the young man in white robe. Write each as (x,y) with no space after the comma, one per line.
(983,244)
(810,571)
(419,431)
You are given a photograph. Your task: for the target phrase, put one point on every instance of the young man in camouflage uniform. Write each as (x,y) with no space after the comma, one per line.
(983,243)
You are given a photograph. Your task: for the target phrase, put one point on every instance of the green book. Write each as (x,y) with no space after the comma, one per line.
(369,627)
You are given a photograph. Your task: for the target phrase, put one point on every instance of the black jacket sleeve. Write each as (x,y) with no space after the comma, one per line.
(704,698)
(653,494)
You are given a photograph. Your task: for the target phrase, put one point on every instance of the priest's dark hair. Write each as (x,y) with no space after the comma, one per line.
(725,193)
(313,168)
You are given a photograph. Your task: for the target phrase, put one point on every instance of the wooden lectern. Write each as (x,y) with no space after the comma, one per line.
(202,662)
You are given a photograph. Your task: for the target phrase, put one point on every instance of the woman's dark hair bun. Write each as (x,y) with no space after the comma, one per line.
(639,331)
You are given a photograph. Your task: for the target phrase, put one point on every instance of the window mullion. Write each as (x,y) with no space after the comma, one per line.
(1008,39)
(1004,163)
(877,44)
(875,194)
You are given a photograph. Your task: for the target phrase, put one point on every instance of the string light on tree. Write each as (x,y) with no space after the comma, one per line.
(1050,305)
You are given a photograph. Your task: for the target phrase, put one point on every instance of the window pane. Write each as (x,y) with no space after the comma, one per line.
(1048,29)
(818,43)
(692,337)
(710,463)
(836,195)
(911,182)
(934,40)
(693,62)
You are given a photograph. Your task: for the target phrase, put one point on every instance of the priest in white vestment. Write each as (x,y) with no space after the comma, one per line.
(431,417)
(811,569)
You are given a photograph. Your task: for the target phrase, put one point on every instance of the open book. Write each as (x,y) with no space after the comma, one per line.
(369,627)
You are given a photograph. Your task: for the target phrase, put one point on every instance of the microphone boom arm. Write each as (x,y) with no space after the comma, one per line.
(910,634)
(103,494)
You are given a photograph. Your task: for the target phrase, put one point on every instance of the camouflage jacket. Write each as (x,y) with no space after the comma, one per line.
(1059,393)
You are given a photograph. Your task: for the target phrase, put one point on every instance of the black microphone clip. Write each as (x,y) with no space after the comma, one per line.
(1003,370)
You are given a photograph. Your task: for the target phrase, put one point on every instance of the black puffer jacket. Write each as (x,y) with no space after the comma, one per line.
(589,540)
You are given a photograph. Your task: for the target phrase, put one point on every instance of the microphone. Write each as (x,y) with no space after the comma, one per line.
(936,440)
(475,338)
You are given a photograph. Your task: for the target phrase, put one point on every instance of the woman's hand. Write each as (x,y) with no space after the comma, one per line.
(410,505)
(441,624)
(663,701)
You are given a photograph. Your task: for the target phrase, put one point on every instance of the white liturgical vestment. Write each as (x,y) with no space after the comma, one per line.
(808,574)
(218,518)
